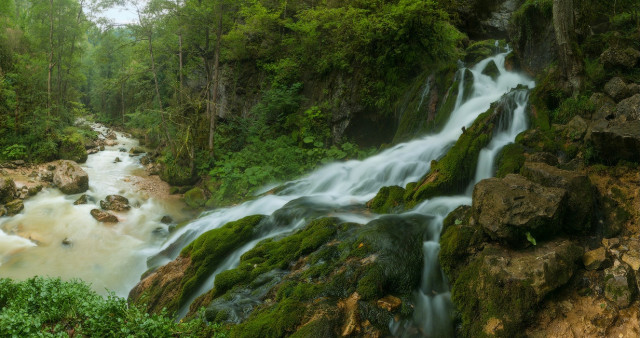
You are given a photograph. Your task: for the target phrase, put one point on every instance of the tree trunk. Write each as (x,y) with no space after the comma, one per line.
(564,25)
(50,57)
(216,82)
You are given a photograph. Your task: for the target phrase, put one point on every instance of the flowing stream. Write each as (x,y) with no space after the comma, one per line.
(108,256)
(115,257)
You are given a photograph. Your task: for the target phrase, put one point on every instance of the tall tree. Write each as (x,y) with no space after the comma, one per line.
(564,25)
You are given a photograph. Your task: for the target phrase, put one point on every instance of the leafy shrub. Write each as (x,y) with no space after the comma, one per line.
(52,307)
(571,107)
(15,152)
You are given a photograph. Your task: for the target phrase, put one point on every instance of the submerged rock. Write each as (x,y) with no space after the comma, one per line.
(84,199)
(510,208)
(103,216)
(619,287)
(14,207)
(115,203)
(70,178)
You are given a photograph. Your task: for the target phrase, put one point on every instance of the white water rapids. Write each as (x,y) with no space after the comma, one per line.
(330,190)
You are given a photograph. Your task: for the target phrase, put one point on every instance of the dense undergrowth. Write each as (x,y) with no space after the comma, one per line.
(49,307)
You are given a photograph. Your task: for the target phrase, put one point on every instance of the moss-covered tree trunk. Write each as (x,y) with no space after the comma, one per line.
(564,25)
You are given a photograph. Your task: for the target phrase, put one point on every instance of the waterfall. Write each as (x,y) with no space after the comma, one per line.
(337,187)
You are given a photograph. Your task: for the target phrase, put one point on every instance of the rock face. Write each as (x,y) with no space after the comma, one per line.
(7,190)
(497,290)
(581,197)
(619,286)
(593,259)
(620,58)
(616,88)
(507,209)
(629,109)
(70,178)
(14,207)
(195,198)
(616,140)
(81,200)
(103,216)
(115,203)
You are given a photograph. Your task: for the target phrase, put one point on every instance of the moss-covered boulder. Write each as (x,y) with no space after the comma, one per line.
(452,173)
(115,203)
(512,209)
(173,284)
(581,201)
(388,200)
(14,207)
(72,148)
(479,51)
(620,286)
(510,160)
(177,174)
(7,190)
(499,289)
(491,70)
(195,198)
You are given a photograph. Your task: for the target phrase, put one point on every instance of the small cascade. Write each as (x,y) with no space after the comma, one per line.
(339,188)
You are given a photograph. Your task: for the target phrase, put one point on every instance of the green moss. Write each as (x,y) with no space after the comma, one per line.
(195,198)
(453,172)
(480,50)
(388,199)
(209,250)
(510,160)
(480,295)
(71,147)
(491,70)
(277,321)
(371,285)
(319,328)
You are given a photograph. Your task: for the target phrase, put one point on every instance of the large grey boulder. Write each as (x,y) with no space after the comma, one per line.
(514,209)
(620,58)
(619,286)
(581,199)
(115,203)
(70,178)
(616,88)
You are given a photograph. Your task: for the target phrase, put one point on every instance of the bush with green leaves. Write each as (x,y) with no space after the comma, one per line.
(50,307)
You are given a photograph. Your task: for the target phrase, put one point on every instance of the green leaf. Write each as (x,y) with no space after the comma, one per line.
(531,239)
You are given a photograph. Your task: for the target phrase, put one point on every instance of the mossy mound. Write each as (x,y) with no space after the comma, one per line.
(491,70)
(388,200)
(510,160)
(481,50)
(195,198)
(294,283)
(72,147)
(177,174)
(452,173)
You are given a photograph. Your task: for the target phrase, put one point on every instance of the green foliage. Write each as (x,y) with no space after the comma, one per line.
(387,200)
(15,152)
(574,106)
(531,239)
(54,308)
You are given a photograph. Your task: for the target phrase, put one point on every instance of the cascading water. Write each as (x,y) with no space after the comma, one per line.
(337,187)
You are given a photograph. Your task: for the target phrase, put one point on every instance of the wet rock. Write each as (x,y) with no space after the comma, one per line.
(103,216)
(576,128)
(115,203)
(7,190)
(629,109)
(633,88)
(544,157)
(632,259)
(581,199)
(18,163)
(32,191)
(502,285)
(389,303)
(84,199)
(616,88)
(350,307)
(195,198)
(491,70)
(388,200)
(594,259)
(509,208)
(620,58)
(51,167)
(67,242)
(616,140)
(123,150)
(101,148)
(166,219)
(111,135)
(618,285)
(117,160)
(136,150)
(14,207)
(3,210)
(70,178)
(92,151)
(46,176)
